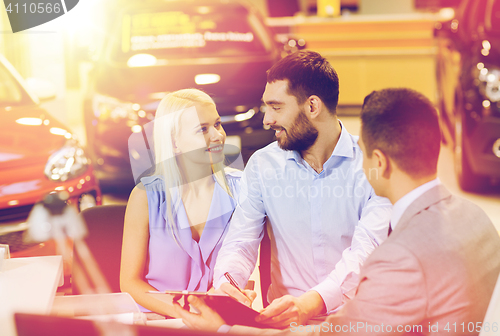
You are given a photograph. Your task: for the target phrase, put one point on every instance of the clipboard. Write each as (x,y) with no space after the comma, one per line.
(231,311)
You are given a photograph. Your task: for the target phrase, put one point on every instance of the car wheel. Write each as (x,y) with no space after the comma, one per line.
(467,179)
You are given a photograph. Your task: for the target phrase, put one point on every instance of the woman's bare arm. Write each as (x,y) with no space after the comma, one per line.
(134,254)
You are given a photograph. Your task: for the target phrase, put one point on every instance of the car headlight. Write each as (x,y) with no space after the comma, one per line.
(106,107)
(68,162)
(489,82)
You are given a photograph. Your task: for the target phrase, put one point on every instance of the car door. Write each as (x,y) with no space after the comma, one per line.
(454,41)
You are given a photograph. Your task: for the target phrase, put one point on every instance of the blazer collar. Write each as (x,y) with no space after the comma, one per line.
(430,197)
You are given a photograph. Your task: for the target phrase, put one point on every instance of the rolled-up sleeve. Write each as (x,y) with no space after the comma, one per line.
(238,254)
(370,232)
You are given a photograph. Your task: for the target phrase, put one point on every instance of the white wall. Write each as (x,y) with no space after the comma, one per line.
(386,6)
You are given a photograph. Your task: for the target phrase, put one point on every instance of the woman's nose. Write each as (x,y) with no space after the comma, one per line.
(216,135)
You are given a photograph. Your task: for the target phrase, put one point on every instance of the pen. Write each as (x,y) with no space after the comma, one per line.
(232,282)
(184,292)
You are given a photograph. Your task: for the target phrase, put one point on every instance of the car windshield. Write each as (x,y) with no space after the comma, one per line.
(11,92)
(189,31)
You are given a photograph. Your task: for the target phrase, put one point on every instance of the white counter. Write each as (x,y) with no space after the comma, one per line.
(27,285)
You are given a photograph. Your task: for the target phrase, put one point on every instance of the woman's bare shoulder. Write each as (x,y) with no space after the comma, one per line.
(138,196)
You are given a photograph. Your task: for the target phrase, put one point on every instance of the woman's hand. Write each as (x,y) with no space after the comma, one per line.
(207,319)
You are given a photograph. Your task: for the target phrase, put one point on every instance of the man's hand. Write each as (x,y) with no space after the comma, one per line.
(246,297)
(207,320)
(287,309)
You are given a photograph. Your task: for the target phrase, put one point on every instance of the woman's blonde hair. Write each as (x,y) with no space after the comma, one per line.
(166,128)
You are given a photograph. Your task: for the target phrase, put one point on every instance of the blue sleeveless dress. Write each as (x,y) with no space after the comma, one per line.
(185,264)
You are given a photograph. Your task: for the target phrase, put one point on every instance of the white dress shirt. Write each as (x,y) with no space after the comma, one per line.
(402,204)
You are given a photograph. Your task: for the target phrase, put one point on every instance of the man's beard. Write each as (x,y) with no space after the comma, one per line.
(300,136)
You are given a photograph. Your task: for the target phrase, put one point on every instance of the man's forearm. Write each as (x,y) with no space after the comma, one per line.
(313,303)
(239,259)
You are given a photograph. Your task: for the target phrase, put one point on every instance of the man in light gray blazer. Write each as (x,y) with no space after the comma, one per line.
(435,273)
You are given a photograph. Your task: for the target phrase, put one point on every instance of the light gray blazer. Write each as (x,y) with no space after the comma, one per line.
(438,267)
(433,275)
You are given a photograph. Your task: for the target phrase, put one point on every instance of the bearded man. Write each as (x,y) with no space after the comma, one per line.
(323,216)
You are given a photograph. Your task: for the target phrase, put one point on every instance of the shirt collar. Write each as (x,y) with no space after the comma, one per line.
(344,147)
(404,202)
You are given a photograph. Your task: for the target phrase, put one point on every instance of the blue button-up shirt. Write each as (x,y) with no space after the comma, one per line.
(322,225)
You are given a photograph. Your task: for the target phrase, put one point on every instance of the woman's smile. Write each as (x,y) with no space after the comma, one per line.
(215,149)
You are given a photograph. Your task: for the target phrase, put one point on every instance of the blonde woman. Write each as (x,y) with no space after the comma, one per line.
(177,218)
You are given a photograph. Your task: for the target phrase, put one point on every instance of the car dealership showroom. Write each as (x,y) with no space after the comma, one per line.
(111,110)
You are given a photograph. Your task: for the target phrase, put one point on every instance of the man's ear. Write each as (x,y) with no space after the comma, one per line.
(313,106)
(383,163)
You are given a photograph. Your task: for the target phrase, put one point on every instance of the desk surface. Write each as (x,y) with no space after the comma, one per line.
(27,285)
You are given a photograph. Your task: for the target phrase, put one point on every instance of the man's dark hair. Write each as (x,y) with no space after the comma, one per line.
(308,73)
(404,125)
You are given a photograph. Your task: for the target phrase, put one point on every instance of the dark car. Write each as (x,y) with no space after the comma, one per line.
(154,47)
(468,75)
(38,156)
